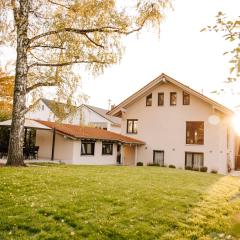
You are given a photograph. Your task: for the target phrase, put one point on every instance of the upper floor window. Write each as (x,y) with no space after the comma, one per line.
(173,98)
(195,133)
(160,99)
(107,148)
(42,107)
(186,98)
(132,125)
(149,100)
(87,148)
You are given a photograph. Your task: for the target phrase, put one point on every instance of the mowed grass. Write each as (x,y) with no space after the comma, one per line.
(103,202)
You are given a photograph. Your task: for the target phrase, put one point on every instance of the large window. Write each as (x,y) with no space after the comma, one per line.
(194,160)
(107,148)
(160,99)
(186,98)
(132,126)
(173,98)
(87,148)
(195,133)
(149,100)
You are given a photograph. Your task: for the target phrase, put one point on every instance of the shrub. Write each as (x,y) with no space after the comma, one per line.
(214,171)
(139,163)
(154,164)
(188,168)
(172,166)
(203,169)
(195,169)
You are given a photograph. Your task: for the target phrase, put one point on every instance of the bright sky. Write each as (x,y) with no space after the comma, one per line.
(183,52)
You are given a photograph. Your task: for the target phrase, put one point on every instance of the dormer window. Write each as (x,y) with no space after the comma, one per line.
(149,100)
(173,98)
(186,98)
(160,99)
(42,107)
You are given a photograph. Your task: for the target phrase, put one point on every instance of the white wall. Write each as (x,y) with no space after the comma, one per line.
(164,128)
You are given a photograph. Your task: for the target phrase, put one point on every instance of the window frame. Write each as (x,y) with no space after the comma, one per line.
(161,94)
(109,144)
(132,120)
(192,160)
(195,143)
(92,150)
(149,97)
(185,94)
(172,94)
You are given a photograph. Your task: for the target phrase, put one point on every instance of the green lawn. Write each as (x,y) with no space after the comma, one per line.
(101,202)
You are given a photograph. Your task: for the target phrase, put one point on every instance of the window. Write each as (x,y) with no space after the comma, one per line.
(149,100)
(87,148)
(160,99)
(158,157)
(42,107)
(195,133)
(173,98)
(107,148)
(132,126)
(186,98)
(194,160)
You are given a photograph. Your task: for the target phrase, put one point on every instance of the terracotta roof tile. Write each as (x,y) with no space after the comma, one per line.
(83,132)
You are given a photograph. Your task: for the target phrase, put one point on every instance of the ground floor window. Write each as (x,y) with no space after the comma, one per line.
(158,157)
(107,148)
(87,148)
(194,160)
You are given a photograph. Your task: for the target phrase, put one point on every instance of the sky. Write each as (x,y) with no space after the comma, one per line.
(192,57)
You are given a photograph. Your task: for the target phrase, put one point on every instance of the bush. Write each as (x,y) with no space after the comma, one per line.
(195,169)
(154,164)
(139,163)
(172,166)
(188,168)
(214,171)
(203,169)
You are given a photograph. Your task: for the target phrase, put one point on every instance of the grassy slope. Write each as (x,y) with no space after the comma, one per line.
(83,202)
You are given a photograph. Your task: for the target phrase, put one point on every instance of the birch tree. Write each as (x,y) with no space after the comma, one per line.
(52,35)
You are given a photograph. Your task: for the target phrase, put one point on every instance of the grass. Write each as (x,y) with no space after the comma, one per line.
(100,202)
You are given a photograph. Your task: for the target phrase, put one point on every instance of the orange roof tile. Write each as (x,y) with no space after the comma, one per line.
(83,132)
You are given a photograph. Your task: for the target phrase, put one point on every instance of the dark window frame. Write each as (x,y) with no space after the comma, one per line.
(194,153)
(161,94)
(92,148)
(186,96)
(195,143)
(149,97)
(132,131)
(108,144)
(171,100)
(158,151)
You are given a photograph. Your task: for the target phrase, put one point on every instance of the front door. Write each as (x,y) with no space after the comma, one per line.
(158,157)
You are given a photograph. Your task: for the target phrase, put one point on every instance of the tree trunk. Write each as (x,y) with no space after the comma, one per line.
(15,150)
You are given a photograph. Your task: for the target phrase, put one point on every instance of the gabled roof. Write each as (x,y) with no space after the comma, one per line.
(163,78)
(82,132)
(103,113)
(60,110)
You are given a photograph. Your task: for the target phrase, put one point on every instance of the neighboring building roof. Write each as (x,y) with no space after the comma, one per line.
(80,132)
(103,113)
(163,78)
(60,110)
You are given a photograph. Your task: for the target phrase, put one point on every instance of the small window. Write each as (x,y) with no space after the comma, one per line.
(149,100)
(160,99)
(173,98)
(194,160)
(42,107)
(186,98)
(132,126)
(195,133)
(107,148)
(87,148)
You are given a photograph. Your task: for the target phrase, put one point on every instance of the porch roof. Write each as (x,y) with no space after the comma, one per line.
(83,132)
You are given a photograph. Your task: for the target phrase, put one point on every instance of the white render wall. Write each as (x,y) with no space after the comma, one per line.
(164,128)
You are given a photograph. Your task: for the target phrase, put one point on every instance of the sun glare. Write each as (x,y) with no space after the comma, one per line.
(236,123)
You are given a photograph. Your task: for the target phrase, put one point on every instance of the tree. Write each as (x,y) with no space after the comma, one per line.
(231,33)
(52,35)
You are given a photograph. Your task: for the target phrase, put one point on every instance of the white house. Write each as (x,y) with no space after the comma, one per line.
(179,126)
(86,115)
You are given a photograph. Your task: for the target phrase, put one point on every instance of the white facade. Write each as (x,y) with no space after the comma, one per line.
(163,128)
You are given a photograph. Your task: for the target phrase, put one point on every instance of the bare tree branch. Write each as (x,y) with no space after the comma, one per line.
(92,41)
(46,46)
(41,84)
(59,4)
